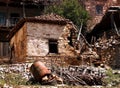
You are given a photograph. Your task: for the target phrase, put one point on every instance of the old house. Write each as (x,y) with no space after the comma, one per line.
(11,11)
(103,29)
(106,37)
(42,37)
(97,9)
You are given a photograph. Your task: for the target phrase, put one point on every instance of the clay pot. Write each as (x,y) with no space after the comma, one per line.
(39,70)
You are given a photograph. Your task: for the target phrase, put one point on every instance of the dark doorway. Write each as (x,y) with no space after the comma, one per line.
(53,46)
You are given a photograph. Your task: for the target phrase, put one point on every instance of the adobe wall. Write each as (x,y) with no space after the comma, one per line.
(39,34)
(18,45)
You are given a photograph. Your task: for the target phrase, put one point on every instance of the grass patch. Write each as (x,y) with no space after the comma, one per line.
(12,79)
(111,79)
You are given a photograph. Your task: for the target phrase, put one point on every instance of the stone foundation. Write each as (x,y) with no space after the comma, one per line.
(49,61)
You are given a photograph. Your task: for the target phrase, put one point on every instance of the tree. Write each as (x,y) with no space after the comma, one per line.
(70,9)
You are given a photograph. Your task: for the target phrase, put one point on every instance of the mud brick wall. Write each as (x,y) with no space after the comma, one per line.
(33,40)
(39,34)
(38,37)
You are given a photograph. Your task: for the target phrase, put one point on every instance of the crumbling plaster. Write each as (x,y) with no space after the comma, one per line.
(39,34)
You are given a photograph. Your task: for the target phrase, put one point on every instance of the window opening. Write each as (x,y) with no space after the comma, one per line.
(2,19)
(99,9)
(53,46)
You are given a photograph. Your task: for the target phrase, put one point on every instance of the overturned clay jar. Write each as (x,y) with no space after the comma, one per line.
(39,70)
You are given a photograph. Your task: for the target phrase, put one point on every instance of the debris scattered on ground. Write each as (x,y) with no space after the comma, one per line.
(73,75)
(108,51)
(82,75)
(104,44)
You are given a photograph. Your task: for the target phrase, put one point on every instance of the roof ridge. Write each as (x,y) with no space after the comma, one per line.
(52,17)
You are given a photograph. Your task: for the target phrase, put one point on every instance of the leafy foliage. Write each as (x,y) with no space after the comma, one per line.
(70,9)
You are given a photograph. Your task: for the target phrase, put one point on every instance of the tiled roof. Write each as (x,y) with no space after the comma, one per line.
(48,18)
(52,17)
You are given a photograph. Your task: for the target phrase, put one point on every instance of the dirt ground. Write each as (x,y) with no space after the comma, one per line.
(64,86)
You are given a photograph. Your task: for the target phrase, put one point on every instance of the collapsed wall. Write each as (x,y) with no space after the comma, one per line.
(109,51)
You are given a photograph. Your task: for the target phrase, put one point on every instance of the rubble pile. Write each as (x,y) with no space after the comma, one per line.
(90,57)
(108,50)
(72,75)
(81,75)
(104,44)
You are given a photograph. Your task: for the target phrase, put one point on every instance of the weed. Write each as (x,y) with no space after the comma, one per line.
(111,78)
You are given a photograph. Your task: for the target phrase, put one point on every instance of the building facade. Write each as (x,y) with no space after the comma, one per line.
(97,9)
(11,11)
(44,37)
(104,29)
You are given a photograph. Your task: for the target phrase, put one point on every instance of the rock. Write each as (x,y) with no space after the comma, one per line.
(58,79)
